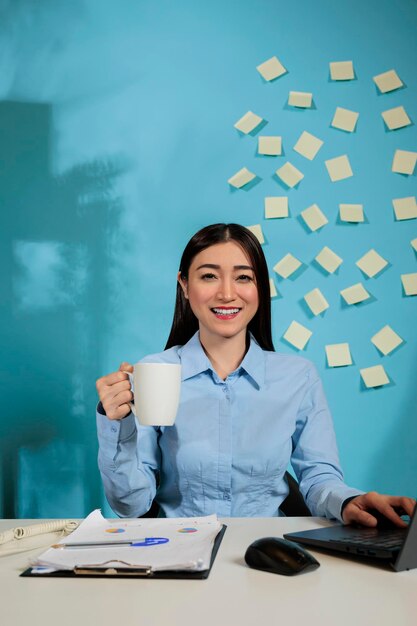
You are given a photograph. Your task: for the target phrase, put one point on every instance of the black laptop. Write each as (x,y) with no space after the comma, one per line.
(397,546)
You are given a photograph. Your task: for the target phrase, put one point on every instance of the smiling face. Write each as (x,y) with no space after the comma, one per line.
(222,291)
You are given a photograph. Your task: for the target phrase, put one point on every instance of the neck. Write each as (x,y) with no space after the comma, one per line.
(225,353)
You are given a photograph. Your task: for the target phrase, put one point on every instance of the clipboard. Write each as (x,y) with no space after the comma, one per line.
(112,572)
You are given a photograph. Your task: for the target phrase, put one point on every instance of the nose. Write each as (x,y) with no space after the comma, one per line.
(227,290)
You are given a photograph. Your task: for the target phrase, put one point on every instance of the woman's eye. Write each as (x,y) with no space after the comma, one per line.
(208,276)
(244,278)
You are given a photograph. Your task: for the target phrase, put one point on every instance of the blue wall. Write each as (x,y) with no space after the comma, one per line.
(116,144)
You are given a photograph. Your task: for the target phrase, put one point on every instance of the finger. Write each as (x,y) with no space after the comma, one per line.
(123,397)
(116,388)
(391,514)
(395,506)
(109,392)
(112,404)
(126,367)
(407,505)
(119,413)
(111,379)
(353,514)
(365,518)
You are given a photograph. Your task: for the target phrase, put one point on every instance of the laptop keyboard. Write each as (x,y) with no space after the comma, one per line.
(388,539)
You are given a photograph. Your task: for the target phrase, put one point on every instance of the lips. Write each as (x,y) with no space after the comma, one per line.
(226,313)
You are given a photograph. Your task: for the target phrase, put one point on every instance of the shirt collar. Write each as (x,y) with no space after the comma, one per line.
(254,362)
(194,360)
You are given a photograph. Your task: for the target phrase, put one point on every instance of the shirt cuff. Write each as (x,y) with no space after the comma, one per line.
(339,498)
(345,503)
(111,432)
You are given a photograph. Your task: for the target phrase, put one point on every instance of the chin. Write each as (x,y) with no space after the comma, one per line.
(229,333)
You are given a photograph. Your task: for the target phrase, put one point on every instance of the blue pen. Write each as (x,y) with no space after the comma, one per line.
(136,543)
(150,541)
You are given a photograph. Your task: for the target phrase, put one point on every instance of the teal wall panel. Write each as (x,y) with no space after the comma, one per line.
(116,144)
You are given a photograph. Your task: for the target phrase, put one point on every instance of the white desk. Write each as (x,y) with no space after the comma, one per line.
(341,592)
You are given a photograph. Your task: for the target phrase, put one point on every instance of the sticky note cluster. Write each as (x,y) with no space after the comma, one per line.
(289,173)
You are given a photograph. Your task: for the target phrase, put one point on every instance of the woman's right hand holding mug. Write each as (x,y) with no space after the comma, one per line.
(115,392)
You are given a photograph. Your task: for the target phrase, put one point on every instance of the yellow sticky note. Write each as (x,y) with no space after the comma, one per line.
(404,162)
(272,288)
(271,69)
(301,99)
(396,118)
(241,178)
(289,174)
(314,217)
(405,208)
(374,376)
(328,259)
(308,145)
(248,122)
(371,263)
(409,282)
(414,243)
(388,81)
(339,168)
(345,119)
(386,340)
(297,335)
(256,229)
(351,212)
(316,301)
(342,70)
(276,206)
(355,294)
(271,146)
(338,354)
(287,265)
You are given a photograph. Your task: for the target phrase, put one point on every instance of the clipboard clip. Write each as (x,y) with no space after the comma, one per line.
(100,568)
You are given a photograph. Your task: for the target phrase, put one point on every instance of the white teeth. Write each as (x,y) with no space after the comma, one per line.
(226,311)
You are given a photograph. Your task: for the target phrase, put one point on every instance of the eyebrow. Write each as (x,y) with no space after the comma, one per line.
(217,267)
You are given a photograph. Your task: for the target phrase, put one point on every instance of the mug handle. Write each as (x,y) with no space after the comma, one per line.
(131,404)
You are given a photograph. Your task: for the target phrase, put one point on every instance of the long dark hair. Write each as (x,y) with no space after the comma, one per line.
(185,323)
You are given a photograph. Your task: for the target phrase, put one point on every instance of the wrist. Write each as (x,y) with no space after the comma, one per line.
(345,503)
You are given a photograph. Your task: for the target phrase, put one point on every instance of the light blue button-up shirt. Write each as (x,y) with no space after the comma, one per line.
(231,443)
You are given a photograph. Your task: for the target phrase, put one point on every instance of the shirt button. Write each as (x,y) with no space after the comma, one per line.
(114,429)
(226,496)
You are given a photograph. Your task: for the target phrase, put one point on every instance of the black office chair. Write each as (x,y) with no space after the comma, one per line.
(293,505)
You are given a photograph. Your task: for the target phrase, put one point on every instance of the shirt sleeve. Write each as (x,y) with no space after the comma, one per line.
(315,457)
(128,459)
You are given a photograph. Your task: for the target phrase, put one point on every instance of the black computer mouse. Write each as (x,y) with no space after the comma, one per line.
(279,556)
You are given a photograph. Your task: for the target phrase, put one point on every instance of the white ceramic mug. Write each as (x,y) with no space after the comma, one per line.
(156,388)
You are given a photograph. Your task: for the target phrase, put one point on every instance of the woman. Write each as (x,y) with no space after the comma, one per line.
(245,412)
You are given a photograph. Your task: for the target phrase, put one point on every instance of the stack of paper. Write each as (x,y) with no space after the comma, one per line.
(156,544)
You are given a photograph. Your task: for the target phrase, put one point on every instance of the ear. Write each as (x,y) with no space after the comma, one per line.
(183,282)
